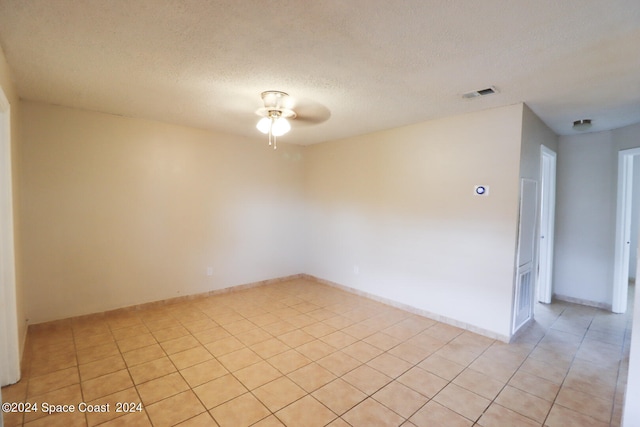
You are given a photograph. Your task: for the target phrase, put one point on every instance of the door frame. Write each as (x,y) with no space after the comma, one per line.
(623,229)
(9,341)
(548,160)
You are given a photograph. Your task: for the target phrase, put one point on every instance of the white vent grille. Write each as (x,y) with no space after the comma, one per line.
(523,298)
(525,291)
(480,92)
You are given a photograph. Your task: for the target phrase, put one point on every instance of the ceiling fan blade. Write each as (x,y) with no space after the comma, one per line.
(309,112)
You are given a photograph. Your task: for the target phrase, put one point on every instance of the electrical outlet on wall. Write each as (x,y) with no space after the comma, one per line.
(209,271)
(356,269)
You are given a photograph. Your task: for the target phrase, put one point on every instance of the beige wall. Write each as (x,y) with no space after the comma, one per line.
(393,214)
(118,211)
(534,134)
(9,90)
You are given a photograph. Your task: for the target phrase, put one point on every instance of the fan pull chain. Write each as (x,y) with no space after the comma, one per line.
(272,137)
(274,121)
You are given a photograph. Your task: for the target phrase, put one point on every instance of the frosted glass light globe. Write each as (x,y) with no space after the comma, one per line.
(264,124)
(280,126)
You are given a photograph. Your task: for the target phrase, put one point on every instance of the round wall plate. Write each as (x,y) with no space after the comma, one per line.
(481,190)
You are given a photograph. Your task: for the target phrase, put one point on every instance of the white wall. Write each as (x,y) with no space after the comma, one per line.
(119,211)
(585,217)
(626,137)
(399,206)
(586,213)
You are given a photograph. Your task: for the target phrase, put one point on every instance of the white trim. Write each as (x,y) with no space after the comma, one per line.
(589,303)
(524,265)
(623,229)
(9,342)
(547,217)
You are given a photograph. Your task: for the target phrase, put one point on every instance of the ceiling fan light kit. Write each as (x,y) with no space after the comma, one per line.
(275,115)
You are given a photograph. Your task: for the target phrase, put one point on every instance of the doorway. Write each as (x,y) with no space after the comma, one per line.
(9,347)
(544,289)
(624,220)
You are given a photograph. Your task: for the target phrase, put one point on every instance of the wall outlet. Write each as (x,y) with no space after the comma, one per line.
(356,269)
(209,271)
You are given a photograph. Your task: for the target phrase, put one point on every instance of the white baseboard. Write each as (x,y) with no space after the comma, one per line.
(167,301)
(414,310)
(392,303)
(581,301)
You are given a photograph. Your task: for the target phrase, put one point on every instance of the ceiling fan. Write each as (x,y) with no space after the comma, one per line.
(279,109)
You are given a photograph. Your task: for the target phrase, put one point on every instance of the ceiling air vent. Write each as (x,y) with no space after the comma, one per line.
(482,92)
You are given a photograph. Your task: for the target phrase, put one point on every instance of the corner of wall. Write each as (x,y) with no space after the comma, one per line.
(411,309)
(8,88)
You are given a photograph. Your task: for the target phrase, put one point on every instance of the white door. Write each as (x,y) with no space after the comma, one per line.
(525,274)
(547,215)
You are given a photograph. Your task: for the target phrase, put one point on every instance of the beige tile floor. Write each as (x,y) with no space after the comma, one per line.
(299,353)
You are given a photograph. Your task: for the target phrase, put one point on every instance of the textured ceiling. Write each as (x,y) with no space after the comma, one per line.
(367,65)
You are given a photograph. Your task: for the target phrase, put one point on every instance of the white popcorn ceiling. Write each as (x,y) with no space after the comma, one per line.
(371,64)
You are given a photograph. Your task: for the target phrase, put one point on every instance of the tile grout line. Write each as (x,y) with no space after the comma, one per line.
(75,349)
(357,319)
(170,361)
(626,338)
(573,359)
